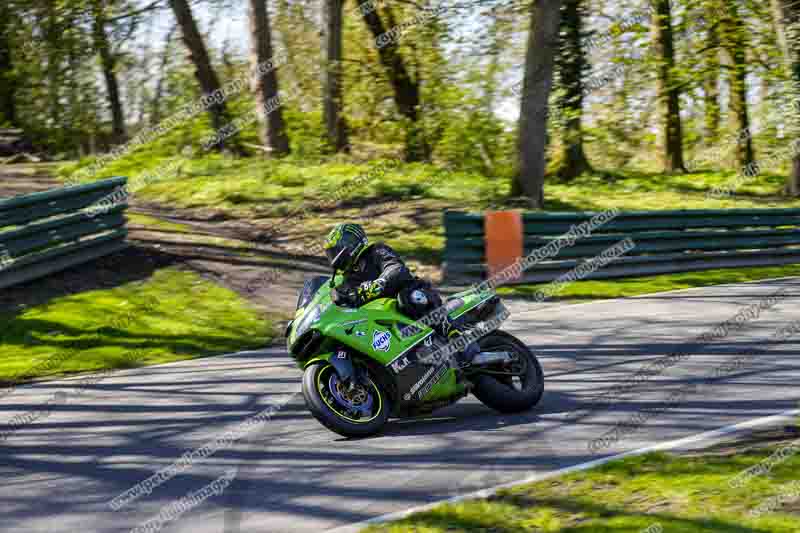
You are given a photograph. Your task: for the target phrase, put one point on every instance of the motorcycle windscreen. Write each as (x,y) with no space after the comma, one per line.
(310,288)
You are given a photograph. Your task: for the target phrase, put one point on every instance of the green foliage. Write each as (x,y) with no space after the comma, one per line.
(306,133)
(466,135)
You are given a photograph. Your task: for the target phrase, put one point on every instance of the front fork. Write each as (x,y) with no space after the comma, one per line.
(341,361)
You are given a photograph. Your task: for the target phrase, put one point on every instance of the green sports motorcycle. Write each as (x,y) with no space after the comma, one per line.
(363,365)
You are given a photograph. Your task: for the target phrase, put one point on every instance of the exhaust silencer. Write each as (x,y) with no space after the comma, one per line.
(487,358)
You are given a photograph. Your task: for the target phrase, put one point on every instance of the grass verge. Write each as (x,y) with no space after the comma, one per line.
(406,200)
(247,187)
(402,204)
(172,315)
(663,492)
(584,291)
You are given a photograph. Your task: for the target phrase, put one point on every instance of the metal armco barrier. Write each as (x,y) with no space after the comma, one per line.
(45,232)
(665,242)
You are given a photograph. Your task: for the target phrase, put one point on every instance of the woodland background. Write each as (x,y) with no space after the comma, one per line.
(524,93)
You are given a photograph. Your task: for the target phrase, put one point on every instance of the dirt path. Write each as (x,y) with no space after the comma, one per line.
(268,276)
(221,250)
(265,260)
(26,179)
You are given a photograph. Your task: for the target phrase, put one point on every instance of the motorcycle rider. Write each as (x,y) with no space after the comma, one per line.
(372,271)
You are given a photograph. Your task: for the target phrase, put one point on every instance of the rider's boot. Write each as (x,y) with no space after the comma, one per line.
(464,357)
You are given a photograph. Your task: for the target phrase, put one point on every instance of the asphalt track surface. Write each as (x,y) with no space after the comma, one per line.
(61,470)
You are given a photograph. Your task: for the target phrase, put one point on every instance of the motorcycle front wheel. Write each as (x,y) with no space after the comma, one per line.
(351,410)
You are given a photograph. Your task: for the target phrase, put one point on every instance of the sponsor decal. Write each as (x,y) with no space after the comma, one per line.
(341,354)
(360,333)
(411,330)
(381,341)
(429,385)
(421,382)
(400,365)
(428,341)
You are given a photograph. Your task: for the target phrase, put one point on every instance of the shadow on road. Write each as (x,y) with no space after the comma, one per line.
(292,469)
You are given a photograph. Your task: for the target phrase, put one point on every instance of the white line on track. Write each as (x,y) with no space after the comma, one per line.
(700,440)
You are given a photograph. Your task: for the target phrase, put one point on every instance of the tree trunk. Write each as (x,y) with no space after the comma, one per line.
(334,121)
(786,14)
(76,101)
(733,43)
(108,63)
(406,90)
(8,107)
(668,91)
(711,84)
(572,63)
(204,72)
(52,34)
(155,106)
(272,128)
(536,86)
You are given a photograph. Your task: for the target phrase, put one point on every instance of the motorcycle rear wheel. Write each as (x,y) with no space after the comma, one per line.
(508,393)
(351,412)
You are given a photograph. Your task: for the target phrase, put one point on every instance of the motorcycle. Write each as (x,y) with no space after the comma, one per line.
(363,365)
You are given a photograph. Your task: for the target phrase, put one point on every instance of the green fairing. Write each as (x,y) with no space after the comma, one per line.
(324,357)
(379,316)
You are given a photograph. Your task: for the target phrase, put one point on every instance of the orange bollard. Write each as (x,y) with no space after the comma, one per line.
(503,233)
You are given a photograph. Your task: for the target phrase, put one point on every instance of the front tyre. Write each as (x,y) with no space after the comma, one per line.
(508,387)
(357,411)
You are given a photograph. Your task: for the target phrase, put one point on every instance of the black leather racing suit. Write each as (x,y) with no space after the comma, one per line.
(380,273)
(381,269)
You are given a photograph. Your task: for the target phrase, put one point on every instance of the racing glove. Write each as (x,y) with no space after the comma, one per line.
(366,292)
(370,290)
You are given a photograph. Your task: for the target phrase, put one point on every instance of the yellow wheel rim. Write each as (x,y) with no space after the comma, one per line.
(322,392)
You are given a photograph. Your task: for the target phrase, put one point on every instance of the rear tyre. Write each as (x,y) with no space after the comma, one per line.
(358,412)
(508,393)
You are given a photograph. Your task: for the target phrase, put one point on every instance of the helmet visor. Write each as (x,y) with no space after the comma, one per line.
(341,254)
(337,256)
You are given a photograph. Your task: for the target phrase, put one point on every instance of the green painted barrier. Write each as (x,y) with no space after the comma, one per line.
(45,232)
(664,242)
